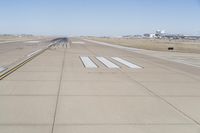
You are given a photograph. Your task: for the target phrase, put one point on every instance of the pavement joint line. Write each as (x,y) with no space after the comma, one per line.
(38,95)
(180,96)
(107,96)
(63,95)
(22,80)
(58,93)
(25,124)
(163,99)
(29,80)
(26,95)
(98,124)
(37,71)
(123,124)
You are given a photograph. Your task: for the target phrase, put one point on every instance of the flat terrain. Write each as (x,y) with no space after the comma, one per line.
(14,49)
(62,91)
(13,38)
(187,46)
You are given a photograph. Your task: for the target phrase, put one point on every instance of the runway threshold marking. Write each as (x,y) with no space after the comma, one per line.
(130,65)
(88,63)
(107,63)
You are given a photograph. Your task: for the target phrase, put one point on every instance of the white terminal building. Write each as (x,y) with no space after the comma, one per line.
(158,34)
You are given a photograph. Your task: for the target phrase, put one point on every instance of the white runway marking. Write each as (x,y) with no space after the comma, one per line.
(78,42)
(107,63)
(2,69)
(8,42)
(130,65)
(34,52)
(88,63)
(32,42)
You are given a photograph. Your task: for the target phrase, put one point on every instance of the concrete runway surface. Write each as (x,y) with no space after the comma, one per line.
(12,52)
(92,88)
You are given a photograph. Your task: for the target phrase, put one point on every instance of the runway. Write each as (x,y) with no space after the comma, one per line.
(12,52)
(93,88)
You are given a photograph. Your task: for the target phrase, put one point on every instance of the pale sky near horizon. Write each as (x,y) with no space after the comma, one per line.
(99,17)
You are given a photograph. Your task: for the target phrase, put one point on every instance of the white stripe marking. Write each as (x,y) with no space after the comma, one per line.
(107,63)
(2,69)
(8,42)
(32,42)
(37,51)
(88,63)
(130,65)
(78,42)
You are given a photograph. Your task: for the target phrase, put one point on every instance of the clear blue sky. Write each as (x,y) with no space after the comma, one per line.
(99,17)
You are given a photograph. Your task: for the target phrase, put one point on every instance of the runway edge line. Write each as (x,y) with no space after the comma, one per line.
(23,62)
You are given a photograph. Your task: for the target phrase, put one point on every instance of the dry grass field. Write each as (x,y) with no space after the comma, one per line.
(188,46)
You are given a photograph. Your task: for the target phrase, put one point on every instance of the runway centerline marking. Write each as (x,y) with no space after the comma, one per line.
(130,65)
(88,63)
(107,63)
